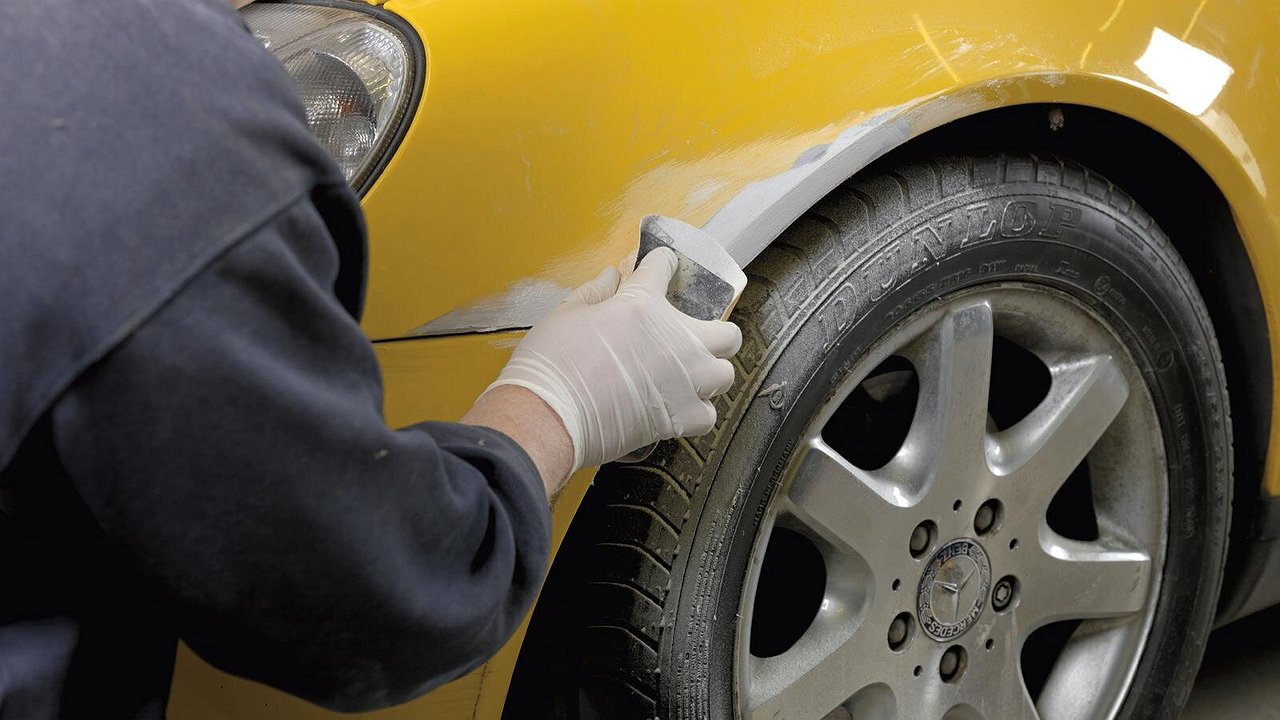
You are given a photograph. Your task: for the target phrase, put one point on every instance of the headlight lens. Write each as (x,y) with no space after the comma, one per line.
(356,75)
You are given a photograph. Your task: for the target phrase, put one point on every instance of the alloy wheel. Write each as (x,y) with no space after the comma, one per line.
(914,573)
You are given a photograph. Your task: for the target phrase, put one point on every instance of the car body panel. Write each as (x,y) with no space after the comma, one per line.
(547,130)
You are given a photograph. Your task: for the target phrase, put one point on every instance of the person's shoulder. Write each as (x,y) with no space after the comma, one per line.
(113,101)
(149,40)
(182,81)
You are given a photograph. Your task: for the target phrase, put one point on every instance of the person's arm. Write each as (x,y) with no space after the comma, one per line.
(526,418)
(613,368)
(234,451)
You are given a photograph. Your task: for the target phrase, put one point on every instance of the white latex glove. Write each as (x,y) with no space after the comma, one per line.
(622,367)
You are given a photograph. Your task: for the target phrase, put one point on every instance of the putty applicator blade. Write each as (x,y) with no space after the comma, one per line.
(707,282)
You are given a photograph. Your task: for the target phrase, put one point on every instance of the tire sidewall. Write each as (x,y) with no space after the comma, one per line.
(807,336)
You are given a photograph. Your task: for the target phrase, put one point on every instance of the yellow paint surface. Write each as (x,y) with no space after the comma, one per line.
(549,128)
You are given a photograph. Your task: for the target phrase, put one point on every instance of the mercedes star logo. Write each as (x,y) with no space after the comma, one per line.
(953,589)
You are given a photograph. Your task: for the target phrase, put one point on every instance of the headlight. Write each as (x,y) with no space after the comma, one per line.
(357,70)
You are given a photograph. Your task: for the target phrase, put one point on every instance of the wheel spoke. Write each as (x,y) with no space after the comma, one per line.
(1003,696)
(1009,699)
(850,507)
(1036,455)
(1083,666)
(1074,580)
(993,685)
(953,362)
(780,690)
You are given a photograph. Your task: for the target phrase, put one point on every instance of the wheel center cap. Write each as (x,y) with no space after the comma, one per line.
(953,589)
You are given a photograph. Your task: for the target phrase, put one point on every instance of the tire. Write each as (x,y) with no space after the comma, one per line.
(677,544)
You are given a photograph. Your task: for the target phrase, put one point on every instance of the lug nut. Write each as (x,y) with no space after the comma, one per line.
(1003,593)
(899,631)
(922,538)
(952,664)
(987,518)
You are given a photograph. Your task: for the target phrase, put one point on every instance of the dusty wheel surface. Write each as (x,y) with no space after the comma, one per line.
(976,464)
(941,561)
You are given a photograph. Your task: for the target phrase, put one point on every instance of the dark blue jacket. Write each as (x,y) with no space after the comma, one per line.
(191,437)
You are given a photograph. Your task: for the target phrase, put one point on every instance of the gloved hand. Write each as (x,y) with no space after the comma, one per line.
(622,367)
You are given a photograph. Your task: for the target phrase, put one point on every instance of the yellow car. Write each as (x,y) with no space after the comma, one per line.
(1001,441)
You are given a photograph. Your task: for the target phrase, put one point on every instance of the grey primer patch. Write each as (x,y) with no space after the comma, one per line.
(744,226)
(526,302)
(762,210)
(751,219)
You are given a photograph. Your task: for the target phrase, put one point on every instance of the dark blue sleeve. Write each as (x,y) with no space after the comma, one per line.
(234,450)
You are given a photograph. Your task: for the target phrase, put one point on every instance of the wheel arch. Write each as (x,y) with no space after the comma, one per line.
(1013,114)
(1193,179)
